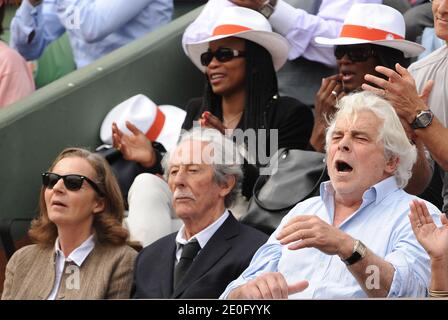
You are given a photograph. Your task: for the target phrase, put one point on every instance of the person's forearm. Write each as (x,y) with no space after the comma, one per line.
(373,274)
(100,18)
(421,172)
(435,138)
(439,275)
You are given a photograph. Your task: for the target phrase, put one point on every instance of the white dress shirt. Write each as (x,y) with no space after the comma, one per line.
(202,237)
(78,256)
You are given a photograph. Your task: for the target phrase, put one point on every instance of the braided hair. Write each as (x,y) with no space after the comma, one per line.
(261,86)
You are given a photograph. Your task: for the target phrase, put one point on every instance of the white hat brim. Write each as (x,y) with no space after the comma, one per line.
(274,43)
(409,48)
(174,119)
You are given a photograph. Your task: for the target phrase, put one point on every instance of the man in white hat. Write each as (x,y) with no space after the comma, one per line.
(420,95)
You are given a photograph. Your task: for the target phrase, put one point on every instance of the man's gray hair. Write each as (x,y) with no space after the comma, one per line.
(221,153)
(392,134)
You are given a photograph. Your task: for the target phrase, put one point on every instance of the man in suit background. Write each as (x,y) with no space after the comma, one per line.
(211,248)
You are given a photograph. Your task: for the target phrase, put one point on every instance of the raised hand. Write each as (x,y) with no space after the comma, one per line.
(325,106)
(432,238)
(209,120)
(400,90)
(135,147)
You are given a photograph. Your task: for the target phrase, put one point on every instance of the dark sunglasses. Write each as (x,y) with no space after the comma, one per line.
(359,53)
(222,55)
(72,182)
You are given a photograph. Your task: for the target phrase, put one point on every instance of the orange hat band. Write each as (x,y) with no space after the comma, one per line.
(226,29)
(153,132)
(371,34)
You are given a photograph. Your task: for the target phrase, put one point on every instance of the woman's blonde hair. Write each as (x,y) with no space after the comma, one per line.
(107,224)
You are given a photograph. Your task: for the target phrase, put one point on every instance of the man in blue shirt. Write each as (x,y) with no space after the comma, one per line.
(94,27)
(355,240)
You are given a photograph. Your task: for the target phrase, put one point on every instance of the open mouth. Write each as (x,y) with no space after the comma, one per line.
(58,203)
(342,166)
(347,76)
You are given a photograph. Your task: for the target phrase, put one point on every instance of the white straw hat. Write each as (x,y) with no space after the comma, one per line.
(246,24)
(159,123)
(377,24)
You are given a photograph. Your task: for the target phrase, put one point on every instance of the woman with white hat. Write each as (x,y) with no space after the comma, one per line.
(239,60)
(365,41)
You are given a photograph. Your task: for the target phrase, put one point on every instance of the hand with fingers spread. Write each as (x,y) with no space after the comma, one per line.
(270,285)
(324,104)
(134,147)
(433,239)
(400,90)
(209,120)
(312,232)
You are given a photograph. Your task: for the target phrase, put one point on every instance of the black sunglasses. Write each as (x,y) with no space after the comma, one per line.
(72,182)
(356,53)
(222,55)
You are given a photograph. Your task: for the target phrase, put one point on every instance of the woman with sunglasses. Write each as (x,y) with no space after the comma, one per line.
(366,41)
(240,61)
(81,249)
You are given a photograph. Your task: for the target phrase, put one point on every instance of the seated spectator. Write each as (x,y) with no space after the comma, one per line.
(211,248)
(357,54)
(354,240)
(300,77)
(16,80)
(434,240)
(94,27)
(80,250)
(241,93)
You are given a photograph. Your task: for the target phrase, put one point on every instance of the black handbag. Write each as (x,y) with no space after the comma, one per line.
(297,177)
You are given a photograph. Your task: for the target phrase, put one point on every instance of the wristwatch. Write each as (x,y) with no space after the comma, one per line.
(359,252)
(423,119)
(268,8)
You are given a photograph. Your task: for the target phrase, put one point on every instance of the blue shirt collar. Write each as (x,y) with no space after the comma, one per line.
(376,193)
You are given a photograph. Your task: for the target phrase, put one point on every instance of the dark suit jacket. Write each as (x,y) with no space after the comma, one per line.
(225,256)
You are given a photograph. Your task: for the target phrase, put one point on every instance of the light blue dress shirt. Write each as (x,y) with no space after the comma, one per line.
(381,223)
(94,27)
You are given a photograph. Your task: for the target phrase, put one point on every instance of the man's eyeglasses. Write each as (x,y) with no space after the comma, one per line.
(356,53)
(222,55)
(72,182)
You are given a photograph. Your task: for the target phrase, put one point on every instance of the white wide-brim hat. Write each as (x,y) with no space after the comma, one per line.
(159,123)
(246,24)
(377,24)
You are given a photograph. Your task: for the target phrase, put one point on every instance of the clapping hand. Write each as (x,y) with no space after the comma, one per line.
(135,147)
